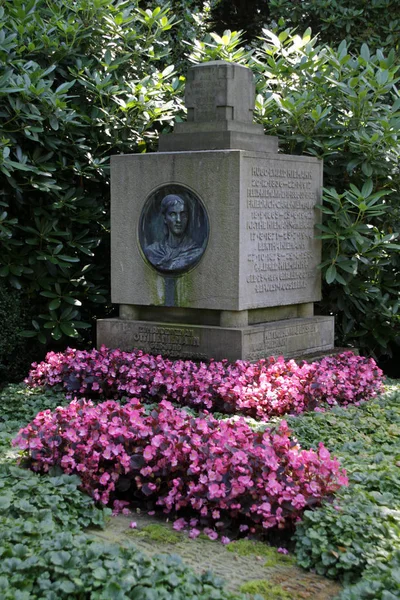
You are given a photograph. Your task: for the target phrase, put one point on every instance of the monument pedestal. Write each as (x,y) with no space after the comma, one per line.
(213,247)
(289,338)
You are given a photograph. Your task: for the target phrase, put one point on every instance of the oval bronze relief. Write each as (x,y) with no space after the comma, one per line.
(173,229)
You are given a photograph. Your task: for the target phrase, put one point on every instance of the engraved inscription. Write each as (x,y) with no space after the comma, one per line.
(280,229)
(168,340)
(276,341)
(201,94)
(205,100)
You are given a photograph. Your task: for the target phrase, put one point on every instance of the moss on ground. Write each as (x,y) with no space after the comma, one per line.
(266,590)
(273,557)
(158,533)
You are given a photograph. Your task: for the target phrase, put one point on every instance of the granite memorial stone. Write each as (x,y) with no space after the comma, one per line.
(213,249)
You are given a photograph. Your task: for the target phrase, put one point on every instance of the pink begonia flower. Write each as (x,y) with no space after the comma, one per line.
(263,389)
(179,524)
(283,551)
(323,452)
(104,478)
(299,501)
(119,506)
(210,533)
(214,490)
(146,471)
(133,524)
(225,540)
(149,452)
(194,533)
(157,440)
(68,463)
(107,454)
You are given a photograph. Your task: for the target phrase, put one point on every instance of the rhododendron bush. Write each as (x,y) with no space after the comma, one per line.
(270,387)
(217,469)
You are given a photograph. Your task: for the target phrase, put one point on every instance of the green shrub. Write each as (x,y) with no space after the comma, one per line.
(344,109)
(16,353)
(80,81)
(359,533)
(56,501)
(66,566)
(249,16)
(376,23)
(20,404)
(84,80)
(341,542)
(380,582)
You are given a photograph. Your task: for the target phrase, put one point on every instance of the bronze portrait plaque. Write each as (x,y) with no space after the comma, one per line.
(173,229)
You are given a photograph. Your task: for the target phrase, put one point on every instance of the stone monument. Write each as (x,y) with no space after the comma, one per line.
(213,249)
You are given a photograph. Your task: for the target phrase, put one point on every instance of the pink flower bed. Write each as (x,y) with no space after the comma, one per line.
(270,387)
(345,379)
(217,469)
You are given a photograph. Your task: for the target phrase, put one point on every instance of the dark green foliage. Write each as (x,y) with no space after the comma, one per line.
(20,404)
(55,500)
(67,566)
(16,353)
(380,582)
(344,109)
(339,543)
(376,22)
(358,534)
(248,16)
(79,81)
(190,21)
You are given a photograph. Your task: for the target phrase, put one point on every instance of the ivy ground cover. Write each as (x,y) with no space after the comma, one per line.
(357,537)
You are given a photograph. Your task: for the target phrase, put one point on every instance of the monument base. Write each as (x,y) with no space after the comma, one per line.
(289,338)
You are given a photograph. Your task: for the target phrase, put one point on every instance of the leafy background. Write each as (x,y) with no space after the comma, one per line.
(80,81)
